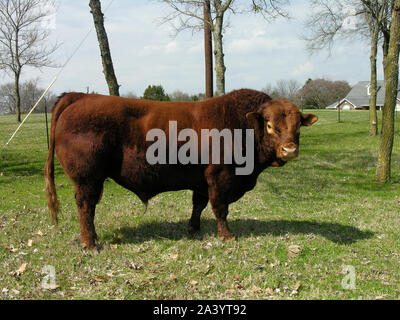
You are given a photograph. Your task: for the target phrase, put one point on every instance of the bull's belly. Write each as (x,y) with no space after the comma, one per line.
(147,181)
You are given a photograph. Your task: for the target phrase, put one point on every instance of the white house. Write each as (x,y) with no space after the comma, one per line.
(358,98)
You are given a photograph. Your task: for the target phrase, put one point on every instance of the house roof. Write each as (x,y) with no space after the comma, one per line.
(358,96)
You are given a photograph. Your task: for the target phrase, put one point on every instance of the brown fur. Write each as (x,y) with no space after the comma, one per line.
(96,137)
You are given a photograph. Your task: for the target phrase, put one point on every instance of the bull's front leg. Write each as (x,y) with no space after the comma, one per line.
(218,178)
(221,212)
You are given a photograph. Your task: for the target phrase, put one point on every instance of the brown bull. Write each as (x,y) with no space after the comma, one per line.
(97,137)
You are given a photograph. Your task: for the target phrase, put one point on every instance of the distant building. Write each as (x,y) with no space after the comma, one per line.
(358,98)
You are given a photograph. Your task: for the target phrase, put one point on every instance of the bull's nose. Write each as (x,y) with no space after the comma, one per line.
(289,152)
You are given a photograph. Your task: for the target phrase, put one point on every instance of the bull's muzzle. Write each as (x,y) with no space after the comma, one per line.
(288,152)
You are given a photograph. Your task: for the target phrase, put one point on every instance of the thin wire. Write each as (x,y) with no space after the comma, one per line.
(83,41)
(56,77)
(34,107)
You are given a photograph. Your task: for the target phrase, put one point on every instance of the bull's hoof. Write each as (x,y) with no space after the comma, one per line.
(89,245)
(194,228)
(193,231)
(228,237)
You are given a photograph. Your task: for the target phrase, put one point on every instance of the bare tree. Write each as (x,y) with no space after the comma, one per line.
(287,89)
(330,20)
(29,91)
(346,19)
(7,98)
(384,15)
(375,15)
(320,93)
(283,89)
(178,95)
(391,65)
(189,14)
(108,67)
(269,90)
(130,94)
(23,39)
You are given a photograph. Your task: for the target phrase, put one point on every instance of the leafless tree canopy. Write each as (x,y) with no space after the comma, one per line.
(188,14)
(344,20)
(283,89)
(23,39)
(30,91)
(315,94)
(329,20)
(320,93)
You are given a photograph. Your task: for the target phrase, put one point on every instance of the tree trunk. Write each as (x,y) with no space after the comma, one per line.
(391,65)
(108,67)
(17,75)
(385,50)
(373,127)
(219,56)
(208,50)
(17,95)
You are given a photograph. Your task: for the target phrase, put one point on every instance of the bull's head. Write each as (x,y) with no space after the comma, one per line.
(277,129)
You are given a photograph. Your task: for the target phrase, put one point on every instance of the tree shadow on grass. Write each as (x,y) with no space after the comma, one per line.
(241,228)
(25,169)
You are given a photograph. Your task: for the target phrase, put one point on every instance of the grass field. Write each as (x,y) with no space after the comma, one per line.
(296,231)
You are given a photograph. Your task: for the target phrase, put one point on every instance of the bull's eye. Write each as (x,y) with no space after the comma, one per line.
(270,129)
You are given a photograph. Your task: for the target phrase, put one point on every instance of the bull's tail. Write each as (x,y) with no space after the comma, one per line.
(62,103)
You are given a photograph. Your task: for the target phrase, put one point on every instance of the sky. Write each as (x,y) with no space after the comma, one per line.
(145,52)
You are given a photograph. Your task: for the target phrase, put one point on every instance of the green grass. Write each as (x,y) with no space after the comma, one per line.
(326,202)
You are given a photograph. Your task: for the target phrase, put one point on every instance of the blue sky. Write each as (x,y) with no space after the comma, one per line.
(144,52)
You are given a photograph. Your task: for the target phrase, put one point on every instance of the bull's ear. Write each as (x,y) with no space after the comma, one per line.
(308,119)
(257,122)
(255,118)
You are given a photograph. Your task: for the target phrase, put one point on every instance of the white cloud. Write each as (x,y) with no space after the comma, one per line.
(303,69)
(197,48)
(260,44)
(172,47)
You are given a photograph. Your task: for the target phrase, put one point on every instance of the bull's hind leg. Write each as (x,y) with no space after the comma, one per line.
(199,203)
(87,196)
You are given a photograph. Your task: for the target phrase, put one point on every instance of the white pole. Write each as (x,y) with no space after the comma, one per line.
(34,107)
